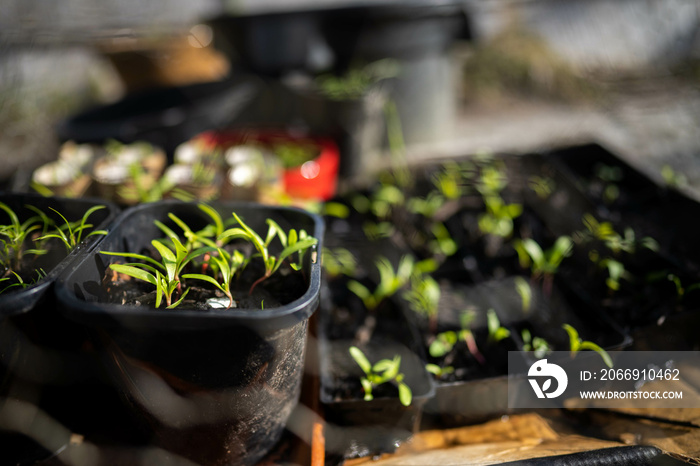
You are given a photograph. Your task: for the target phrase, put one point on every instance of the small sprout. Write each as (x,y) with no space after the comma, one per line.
(542,186)
(426,206)
(384,371)
(496,331)
(375,231)
(443,244)
(164,275)
(448,181)
(338,261)
(616,271)
(423,296)
(444,342)
(499,216)
(681,291)
(543,263)
(14,235)
(525,292)
(385,199)
(335,209)
(225,266)
(492,180)
(438,371)
(390,281)
(538,345)
(292,243)
(576,344)
(71,233)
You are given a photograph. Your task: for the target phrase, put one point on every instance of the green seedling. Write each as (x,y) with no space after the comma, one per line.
(492,179)
(390,281)
(144,189)
(438,371)
(338,261)
(164,275)
(225,266)
(375,231)
(525,291)
(542,186)
(442,243)
(334,209)
(427,206)
(292,242)
(496,331)
(681,291)
(13,237)
(616,272)
(628,243)
(576,344)
(542,263)
(383,371)
(17,283)
(444,342)
(71,233)
(357,81)
(538,345)
(499,216)
(424,296)
(450,181)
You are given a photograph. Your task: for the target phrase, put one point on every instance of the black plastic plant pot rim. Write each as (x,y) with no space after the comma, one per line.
(21,301)
(90,311)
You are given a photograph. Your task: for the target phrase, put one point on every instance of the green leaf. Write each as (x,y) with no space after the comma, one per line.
(134,255)
(405,395)
(206,278)
(216,218)
(169,259)
(383,365)
(589,345)
(574,340)
(360,359)
(534,251)
(289,250)
(274,228)
(134,272)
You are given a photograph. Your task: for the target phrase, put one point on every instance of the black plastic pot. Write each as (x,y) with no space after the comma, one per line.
(380,425)
(269,44)
(418,35)
(41,364)
(165,117)
(214,386)
(485,394)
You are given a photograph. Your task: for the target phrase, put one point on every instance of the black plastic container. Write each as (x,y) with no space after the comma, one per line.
(380,425)
(41,364)
(485,395)
(164,117)
(214,386)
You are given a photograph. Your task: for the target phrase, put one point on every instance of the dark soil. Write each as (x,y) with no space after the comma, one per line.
(281,288)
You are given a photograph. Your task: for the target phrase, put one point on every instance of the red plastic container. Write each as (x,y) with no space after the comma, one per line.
(314,179)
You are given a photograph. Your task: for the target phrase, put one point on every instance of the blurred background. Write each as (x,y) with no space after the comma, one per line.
(462,76)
